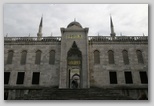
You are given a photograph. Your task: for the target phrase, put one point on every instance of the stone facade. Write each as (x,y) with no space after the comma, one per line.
(90,74)
(69,35)
(99,73)
(49,74)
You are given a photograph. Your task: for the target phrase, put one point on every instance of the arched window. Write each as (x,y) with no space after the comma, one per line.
(38,57)
(96,57)
(10,57)
(23,57)
(52,57)
(125,56)
(111,57)
(139,56)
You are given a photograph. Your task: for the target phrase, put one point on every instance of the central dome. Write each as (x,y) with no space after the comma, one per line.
(74,23)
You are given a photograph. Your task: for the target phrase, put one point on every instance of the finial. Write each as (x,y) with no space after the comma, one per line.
(112,27)
(98,33)
(41,22)
(143,34)
(51,33)
(74,19)
(111,21)
(110,14)
(6,34)
(29,34)
(120,34)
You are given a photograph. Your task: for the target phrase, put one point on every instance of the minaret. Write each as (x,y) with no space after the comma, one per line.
(112,28)
(39,34)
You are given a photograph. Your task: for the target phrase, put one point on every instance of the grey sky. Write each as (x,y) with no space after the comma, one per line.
(128,19)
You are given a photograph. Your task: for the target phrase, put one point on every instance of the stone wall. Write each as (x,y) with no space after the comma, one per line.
(99,73)
(94,75)
(49,74)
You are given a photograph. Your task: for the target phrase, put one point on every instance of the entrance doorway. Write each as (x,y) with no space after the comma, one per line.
(74,66)
(74,80)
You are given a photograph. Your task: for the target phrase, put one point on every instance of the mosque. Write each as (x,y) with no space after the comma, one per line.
(75,61)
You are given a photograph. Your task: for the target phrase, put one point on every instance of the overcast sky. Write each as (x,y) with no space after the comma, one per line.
(128,19)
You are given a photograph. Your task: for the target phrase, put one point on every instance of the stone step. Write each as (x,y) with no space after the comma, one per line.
(74,94)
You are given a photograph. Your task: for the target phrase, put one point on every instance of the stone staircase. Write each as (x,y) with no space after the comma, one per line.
(74,94)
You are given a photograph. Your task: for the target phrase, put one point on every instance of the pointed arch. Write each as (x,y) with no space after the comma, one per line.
(10,56)
(139,56)
(38,57)
(23,57)
(74,50)
(96,57)
(125,57)
(111,57)
(52,57)
(74,63)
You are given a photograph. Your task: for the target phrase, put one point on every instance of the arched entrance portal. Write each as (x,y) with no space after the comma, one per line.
(74,67)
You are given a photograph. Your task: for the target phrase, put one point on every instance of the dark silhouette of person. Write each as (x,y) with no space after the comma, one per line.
(74,84)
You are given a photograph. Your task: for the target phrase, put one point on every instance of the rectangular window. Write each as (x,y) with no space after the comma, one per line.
(113,78)
(128,78)
(143,77)
(6,77)
(6,94)
(36,78)
(20,78)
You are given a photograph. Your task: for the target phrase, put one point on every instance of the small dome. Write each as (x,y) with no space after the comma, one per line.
(74,23)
